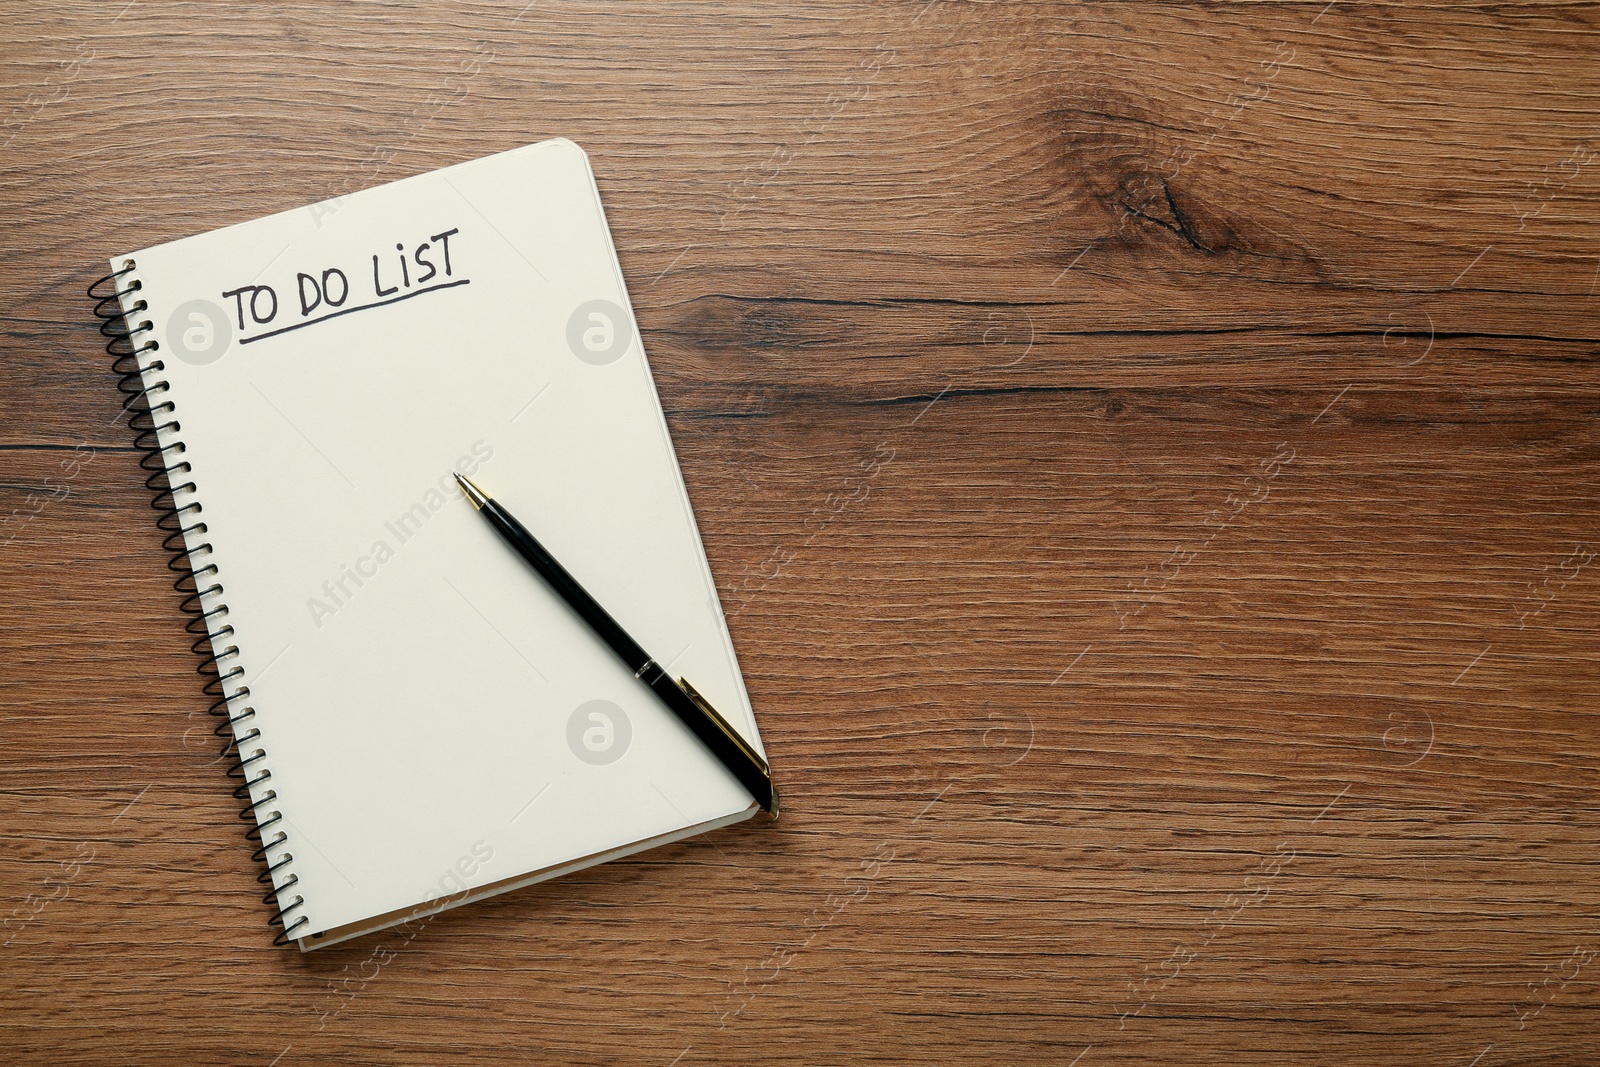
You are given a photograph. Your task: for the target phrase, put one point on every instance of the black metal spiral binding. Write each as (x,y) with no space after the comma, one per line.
(165,480)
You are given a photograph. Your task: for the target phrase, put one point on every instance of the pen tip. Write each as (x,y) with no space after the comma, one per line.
(478,497)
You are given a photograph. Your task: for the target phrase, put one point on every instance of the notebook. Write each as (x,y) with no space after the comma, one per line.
(419,720)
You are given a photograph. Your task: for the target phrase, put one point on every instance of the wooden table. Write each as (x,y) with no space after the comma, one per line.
(1147,452)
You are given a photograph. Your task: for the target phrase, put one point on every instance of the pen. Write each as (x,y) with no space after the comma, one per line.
(680,697)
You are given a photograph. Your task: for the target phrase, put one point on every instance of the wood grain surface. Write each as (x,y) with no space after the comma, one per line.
(1147,452)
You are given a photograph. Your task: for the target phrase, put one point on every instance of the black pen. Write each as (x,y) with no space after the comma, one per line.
(680,697)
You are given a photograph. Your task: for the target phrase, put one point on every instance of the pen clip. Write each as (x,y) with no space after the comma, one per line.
(722,724)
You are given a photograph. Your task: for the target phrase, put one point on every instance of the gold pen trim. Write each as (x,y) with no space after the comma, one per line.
(478,497)
(733,735)
(722,724)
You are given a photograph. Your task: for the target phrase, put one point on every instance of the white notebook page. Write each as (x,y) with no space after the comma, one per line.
(419,691)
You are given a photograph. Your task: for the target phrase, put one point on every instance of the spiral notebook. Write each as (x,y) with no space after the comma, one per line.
(417,720)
